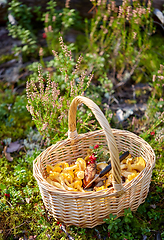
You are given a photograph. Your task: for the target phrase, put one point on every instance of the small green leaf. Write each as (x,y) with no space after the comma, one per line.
(2,186)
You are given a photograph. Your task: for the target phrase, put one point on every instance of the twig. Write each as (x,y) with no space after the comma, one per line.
(17,226)
(63,228)
(9,203)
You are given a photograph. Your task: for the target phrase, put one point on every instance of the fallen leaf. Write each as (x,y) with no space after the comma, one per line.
(7,155)
(13,147)
(153,206)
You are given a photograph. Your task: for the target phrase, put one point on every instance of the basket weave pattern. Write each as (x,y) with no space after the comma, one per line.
(90,208)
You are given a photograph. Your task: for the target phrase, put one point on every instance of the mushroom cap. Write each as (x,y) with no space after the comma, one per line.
(131,176)
(139,164)
(101,165)
(82,163)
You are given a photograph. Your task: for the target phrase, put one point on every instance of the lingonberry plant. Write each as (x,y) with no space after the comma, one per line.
(98,153)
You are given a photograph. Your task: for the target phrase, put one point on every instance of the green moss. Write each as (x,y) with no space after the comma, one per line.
(6,57)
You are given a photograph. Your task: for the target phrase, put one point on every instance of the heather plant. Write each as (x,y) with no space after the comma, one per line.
(49,97)
(120,35)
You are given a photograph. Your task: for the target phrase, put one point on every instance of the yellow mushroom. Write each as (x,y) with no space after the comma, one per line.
(55,184)
(99,188)
(57,169)
(108,181)
(66,187)
(58,185)
(123,166)
(79,174)
(131,176)
(139,164)
(78,185)
(68,175)
(73,167)
(126,173)
(49,168)
(125,159)
(81,163)
(86,158)
(129,167)
(62,165)
(54,176)
(49,180)
(101,166)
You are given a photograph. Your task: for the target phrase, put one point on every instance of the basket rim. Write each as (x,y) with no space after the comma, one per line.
(102,193)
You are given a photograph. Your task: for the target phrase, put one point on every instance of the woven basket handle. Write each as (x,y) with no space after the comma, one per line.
(116,170)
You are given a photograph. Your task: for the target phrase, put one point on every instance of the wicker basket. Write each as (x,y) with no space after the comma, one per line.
(88,209)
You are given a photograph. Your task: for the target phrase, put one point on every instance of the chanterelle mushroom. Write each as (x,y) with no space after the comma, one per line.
(139,164)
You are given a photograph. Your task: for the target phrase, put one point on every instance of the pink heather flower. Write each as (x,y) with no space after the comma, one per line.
(105,31)
(120,11)
(53,18)
(111,21)
(105,18)
(154,78)
(46,17)
(108,8)
(90,79)
(78,64)
(66,78)
(31,110)
(67,4)
(134,35)
(46,29)
(41,51)
(50,28)
(128,13)
(113,5)
(99,3)
(44,126)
